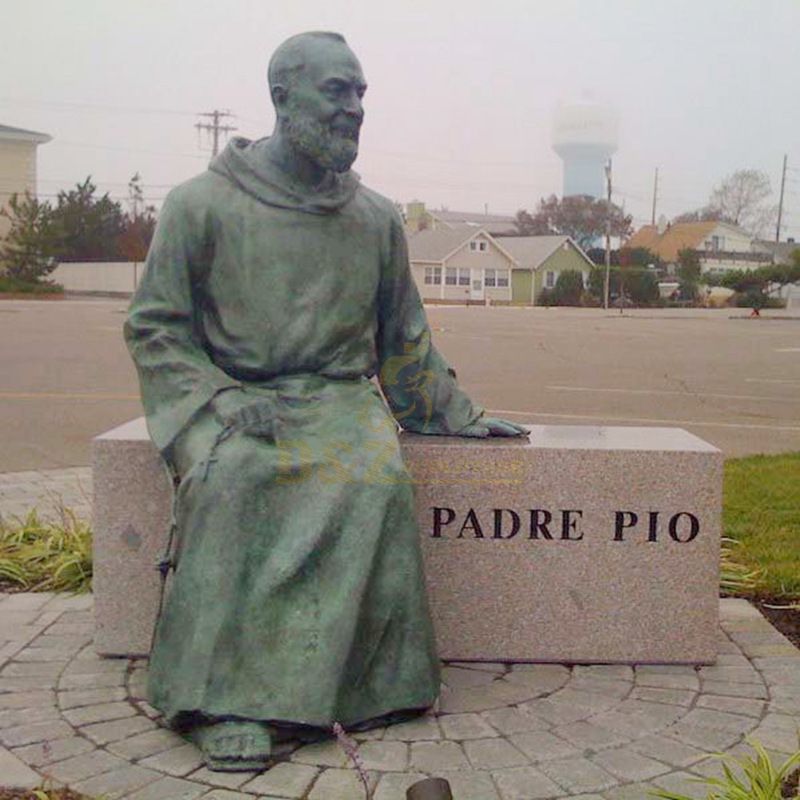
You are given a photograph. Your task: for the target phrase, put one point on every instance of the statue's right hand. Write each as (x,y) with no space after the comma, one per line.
(196,440)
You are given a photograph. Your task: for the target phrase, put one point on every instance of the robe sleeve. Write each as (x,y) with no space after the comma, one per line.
(176,375)
(418,384)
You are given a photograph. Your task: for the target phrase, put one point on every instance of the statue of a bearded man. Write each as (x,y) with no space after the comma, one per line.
(277,290)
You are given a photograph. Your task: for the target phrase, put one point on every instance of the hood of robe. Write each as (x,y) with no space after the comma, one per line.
(244,162)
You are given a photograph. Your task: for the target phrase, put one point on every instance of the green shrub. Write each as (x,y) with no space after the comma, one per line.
(38,555)
(545,298)
(759,779)
(755,299)
(568,288)
(640,285)
(15,285)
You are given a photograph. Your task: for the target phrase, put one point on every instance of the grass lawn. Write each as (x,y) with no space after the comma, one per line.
(761,511)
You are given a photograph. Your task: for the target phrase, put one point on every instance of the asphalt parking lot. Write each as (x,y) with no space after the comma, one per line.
(65,375)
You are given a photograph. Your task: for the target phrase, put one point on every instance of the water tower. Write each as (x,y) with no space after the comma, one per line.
(585,136)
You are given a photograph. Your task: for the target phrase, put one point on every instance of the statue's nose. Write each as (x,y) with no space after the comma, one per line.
(353,107)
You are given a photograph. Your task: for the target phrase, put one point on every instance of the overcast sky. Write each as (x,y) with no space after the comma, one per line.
(461,93)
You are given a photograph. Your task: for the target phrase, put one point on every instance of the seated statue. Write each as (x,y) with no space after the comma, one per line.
(275,321)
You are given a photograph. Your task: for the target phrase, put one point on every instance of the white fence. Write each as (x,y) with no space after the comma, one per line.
(117,277)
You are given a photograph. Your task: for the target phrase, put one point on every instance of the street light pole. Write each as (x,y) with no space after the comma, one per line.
(606,286)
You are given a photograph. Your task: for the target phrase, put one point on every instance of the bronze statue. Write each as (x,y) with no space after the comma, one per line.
(277,288)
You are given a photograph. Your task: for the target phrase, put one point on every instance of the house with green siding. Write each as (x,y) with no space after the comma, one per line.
(467,265)
(539,262)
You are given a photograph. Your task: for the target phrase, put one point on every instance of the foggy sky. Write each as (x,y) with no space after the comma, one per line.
(461,93)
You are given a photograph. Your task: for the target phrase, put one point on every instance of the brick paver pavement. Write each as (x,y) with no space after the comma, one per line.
(47,491)
(502,732)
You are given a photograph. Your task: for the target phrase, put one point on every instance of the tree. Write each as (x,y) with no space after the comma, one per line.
(527,225)
(757,285)
(138,224)
(580,217)
(638,257)
(639,285)
(88,228)
(741,198)
(704,214)
(688,273)
(626,257)
(568,288)
(29,249)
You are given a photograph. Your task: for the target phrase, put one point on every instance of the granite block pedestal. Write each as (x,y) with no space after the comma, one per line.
(583,545)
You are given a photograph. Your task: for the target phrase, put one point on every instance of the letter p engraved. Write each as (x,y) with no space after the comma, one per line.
(623,520)
(441,517)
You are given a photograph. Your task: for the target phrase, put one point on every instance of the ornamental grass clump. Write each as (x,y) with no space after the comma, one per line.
(759,779)
(735,578)
(46,556)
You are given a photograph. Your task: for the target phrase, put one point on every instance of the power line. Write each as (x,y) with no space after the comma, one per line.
(67,106)
(89,145)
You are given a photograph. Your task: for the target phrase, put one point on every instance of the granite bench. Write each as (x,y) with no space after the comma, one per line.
(583,545)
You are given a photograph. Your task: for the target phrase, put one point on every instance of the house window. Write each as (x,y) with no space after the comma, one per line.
(478,245)
(549,279)
(463,277)
(451,276)
(502,277)
(433,276)
(489,278)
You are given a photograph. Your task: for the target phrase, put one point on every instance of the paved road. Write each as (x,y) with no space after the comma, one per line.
(65,375)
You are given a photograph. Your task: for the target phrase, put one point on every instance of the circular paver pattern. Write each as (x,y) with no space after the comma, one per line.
(500,732)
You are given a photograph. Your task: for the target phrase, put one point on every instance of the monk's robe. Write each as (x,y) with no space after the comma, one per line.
(265,315)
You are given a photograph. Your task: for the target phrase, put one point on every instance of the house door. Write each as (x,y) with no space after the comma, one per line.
(476,286)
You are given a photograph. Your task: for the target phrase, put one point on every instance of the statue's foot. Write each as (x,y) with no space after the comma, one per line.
(233,746)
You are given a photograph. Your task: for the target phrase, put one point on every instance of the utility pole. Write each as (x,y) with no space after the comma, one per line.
(655,195)
(780,202)
(608,236)
(214,126)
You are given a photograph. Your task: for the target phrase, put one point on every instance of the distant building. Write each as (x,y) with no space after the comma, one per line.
(464,265)
(781,251)
(17,165)
(540,260)
(418,217)
(720,246)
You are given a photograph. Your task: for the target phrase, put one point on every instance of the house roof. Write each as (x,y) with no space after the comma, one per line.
(531,252)
(436,245)
(21,135)
(781,251)
(676,237)
(494,223)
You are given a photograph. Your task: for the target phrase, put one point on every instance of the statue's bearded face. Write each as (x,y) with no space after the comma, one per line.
(323,112)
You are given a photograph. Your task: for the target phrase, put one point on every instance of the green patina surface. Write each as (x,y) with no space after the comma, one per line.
(298,593)
(277,289)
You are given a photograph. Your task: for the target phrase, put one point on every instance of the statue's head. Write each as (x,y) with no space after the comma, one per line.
(317,85)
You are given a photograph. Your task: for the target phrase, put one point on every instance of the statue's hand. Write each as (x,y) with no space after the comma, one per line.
(484,427)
